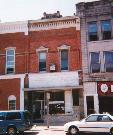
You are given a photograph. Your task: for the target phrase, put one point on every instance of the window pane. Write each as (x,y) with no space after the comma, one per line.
(64,60)
(92,31)
(95,64)
(13,116)
(108,61)
(106,25)
(56,104)
(92,118)
(10,52)
(12,104)
(10,63)
(92,27)
(2,116)
(106,29)
(57,108)
(57,96)
(10,58)
(42,61)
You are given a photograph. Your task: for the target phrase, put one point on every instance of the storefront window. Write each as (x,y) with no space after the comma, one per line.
(56,104)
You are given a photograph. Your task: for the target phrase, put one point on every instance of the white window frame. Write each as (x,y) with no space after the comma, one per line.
(11,98)
(99,62)
(38,51)
(8,49)
(61,48)
(104,60)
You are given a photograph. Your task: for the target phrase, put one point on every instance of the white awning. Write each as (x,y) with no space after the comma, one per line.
(53,80)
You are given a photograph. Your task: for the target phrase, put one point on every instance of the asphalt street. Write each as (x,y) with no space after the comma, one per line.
(53,130)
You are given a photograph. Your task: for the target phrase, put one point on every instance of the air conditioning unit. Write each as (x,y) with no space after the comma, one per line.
(52,67)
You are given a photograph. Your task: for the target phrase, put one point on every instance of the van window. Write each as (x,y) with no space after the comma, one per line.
(1,116)
(27,115)
(13,116)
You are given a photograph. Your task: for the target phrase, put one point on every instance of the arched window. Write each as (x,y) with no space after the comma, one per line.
(11,102)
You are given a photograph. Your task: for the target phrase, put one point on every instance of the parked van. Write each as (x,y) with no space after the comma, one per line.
(13,122)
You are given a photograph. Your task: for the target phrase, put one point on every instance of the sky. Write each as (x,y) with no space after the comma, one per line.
(22,10)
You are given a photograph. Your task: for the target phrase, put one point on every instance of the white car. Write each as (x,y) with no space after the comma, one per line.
(94,123)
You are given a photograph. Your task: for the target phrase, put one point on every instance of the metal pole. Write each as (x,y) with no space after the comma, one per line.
(47,113)
(48,97)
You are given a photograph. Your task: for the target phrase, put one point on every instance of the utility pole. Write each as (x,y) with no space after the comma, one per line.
(48,122)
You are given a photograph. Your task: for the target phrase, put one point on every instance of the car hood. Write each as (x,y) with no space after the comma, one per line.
(73,123)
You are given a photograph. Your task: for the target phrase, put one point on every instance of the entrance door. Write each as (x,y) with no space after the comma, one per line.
(38,109)
(90,104)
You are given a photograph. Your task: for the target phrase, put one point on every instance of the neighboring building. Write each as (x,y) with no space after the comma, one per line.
(97,55)
(40,57)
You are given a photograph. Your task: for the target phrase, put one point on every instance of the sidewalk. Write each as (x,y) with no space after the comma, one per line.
(44,130)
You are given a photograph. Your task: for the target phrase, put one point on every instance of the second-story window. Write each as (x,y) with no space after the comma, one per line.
(64,59)
(108,56)
(95,62)
(10,61)
(42,61)
(106,29)
(92,31)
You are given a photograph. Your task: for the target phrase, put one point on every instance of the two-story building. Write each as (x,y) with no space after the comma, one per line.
(97,55)
(41,61)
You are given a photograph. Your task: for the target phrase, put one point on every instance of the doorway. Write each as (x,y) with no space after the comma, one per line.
(38,109)
(90,104)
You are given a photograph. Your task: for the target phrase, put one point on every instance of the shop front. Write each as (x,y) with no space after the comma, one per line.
(105,95)
(65,96)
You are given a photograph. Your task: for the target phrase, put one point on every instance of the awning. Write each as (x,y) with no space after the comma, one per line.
(59,80)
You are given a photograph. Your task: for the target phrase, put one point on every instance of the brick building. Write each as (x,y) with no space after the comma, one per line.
(97,55)
(39,58)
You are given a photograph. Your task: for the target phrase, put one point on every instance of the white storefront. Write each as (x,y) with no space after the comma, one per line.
(91,96)
(61,86)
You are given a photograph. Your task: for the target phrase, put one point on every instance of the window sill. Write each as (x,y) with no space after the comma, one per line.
(108,40)
(41,72)
(64,70)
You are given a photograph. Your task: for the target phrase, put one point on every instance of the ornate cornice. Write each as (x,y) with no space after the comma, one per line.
(14,27)
(47,24)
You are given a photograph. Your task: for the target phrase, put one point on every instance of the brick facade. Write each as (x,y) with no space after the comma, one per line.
(27,38)
(7,88)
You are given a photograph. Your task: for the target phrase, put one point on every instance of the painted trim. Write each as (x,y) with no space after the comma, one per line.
(14,27)
(41,49)
(68,50)
(12,97)
(8,49)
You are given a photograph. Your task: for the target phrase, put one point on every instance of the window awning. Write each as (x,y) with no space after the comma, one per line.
(59,80)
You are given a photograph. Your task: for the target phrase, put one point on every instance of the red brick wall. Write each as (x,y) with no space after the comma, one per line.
(6,91)
(18,40)
(52,39)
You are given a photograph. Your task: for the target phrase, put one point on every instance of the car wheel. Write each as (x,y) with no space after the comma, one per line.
(11,130)
(111,131)
(73,130)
